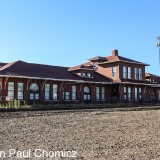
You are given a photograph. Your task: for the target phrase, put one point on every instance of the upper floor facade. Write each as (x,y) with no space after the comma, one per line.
(115,67)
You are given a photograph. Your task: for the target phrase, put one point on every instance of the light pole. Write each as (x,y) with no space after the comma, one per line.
(158,45)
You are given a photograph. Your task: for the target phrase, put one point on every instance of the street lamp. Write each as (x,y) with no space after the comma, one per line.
(158,45)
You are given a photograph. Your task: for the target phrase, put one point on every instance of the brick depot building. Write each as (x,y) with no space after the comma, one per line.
(100,80)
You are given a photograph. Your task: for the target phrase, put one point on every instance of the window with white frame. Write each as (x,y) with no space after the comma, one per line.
(66,95)
(125,93)
(124,72)
(97,93)
(103,93)
(140,73)
(55,91)
(136,93)
(11,90)
(113,71)
(74,92)
(129,93)
(20,94)
(47,91)
(129,72)
(136,73)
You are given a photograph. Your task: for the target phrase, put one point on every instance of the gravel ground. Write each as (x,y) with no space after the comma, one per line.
(94,134)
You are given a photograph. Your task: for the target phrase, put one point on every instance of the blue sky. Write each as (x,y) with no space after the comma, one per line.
(68,32)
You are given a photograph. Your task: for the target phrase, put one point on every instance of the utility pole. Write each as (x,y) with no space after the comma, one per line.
(158,45)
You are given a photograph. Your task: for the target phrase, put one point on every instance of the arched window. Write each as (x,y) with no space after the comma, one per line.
(87,93)
(86,89)
(34,92)
(34,87)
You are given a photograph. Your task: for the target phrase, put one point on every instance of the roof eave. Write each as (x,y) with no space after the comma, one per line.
(125,62)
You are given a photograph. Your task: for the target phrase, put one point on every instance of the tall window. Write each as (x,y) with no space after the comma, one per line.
(47,91)
(55,91)
(113,71)
(136,73)
(97,93)
(125,93)
(103,93)
(140,73)
(66,95)
(74,92)
(87,93)
(129,93)
(140,93)
(20,93)
(159,94)
(129,72)
(11,90)
(136,93)
(124,72)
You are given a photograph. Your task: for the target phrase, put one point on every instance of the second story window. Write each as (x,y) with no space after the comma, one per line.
(124,72)
(140,73)
(136,73)
(113,71)
(129,72)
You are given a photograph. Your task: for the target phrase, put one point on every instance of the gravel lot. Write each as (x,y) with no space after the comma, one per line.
(94,134)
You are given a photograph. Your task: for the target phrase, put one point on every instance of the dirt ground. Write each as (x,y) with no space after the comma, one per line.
(94,134)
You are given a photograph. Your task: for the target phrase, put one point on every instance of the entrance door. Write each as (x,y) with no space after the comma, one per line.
(34,93)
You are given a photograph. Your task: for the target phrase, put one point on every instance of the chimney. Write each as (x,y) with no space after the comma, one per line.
(114,52)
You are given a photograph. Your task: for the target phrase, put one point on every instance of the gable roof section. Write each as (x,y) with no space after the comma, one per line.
(150,75)
(24,69)
(87,65)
